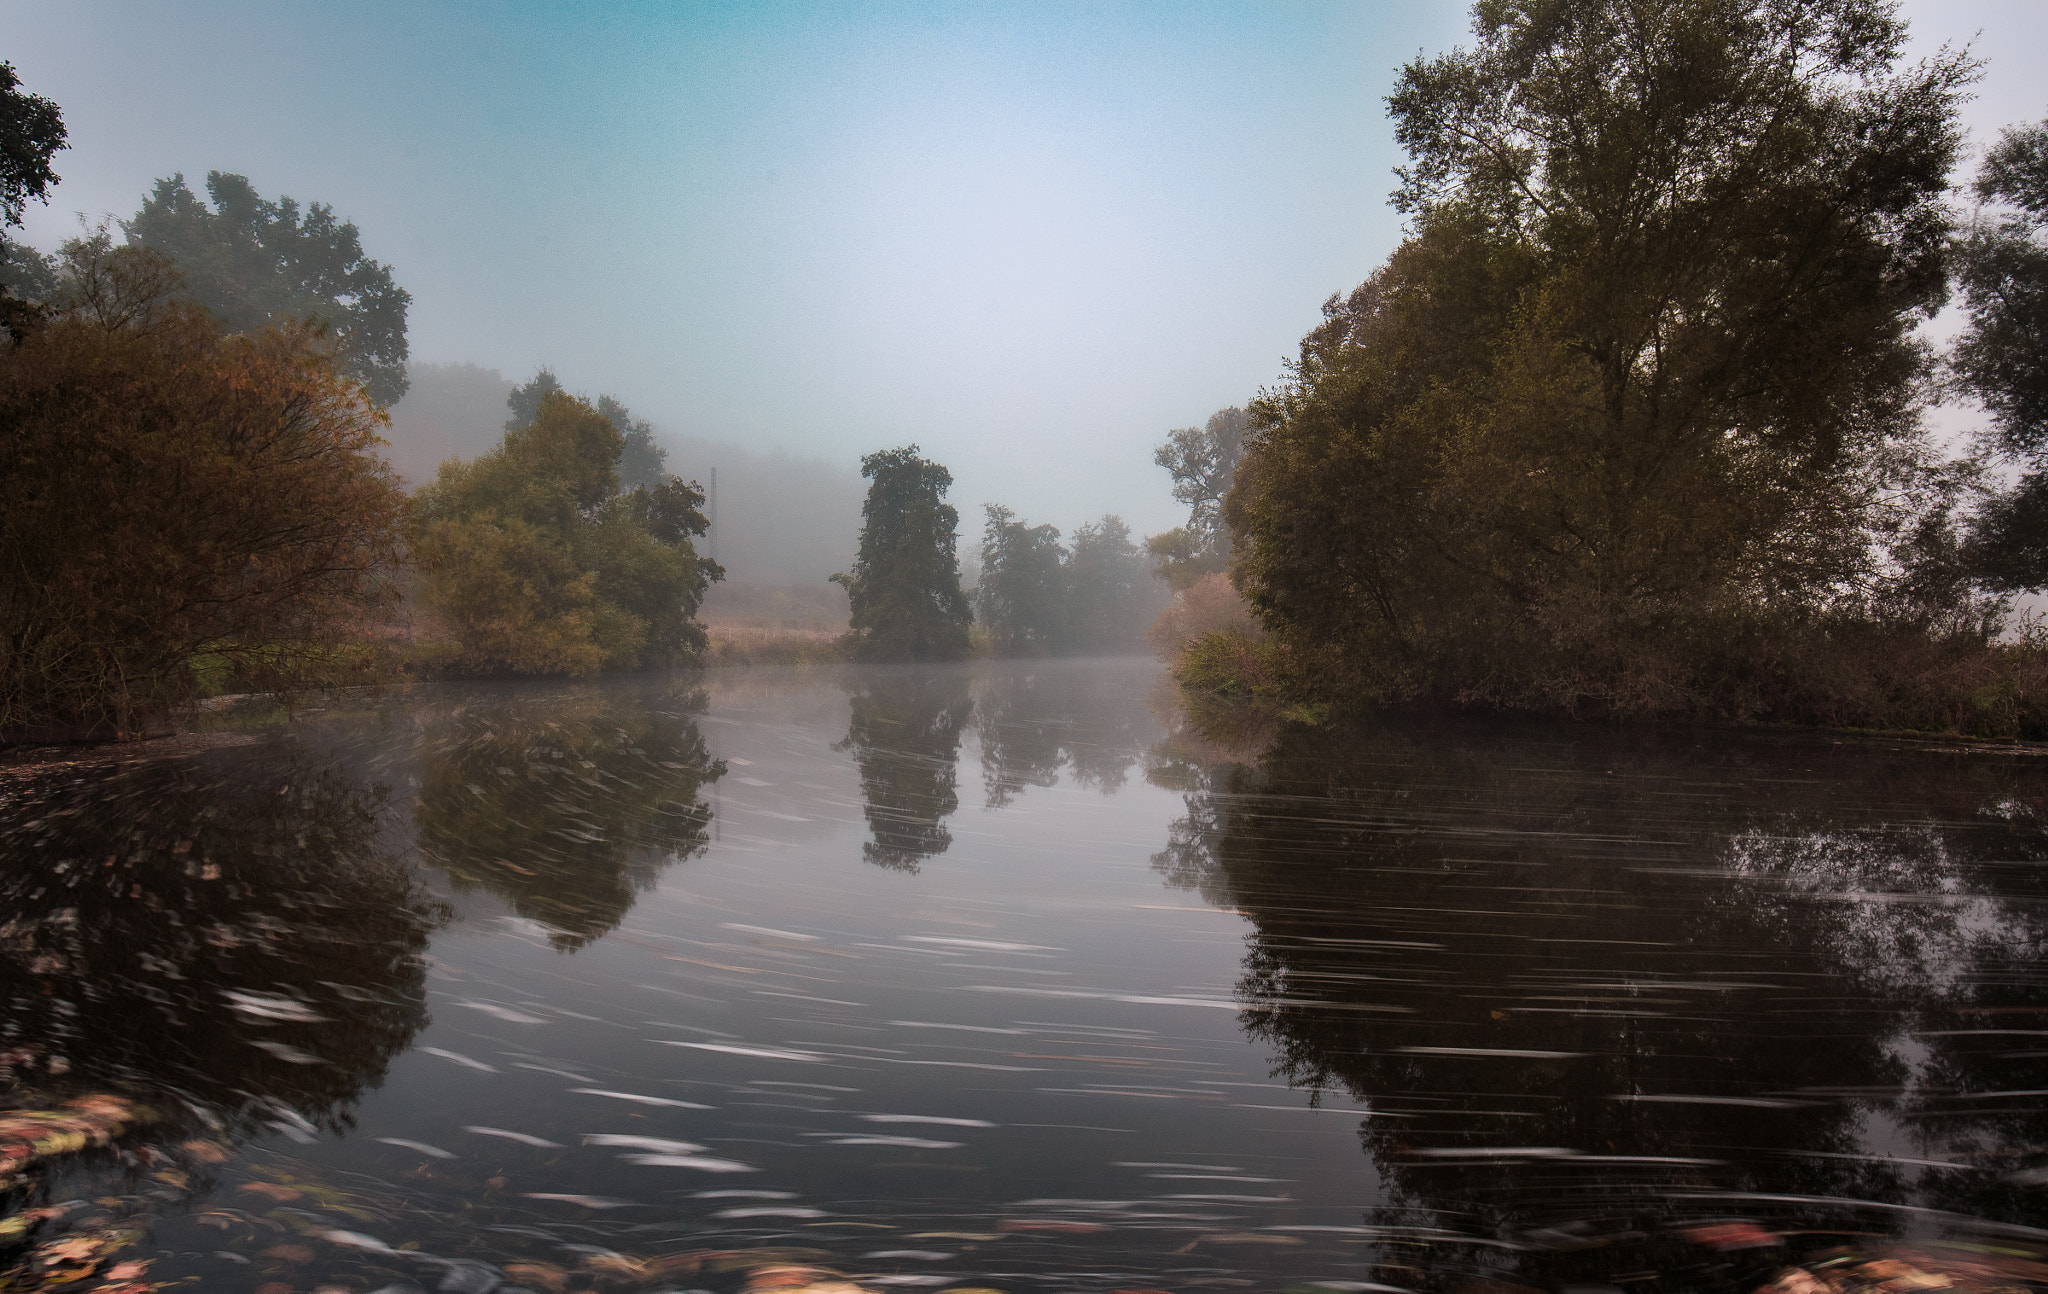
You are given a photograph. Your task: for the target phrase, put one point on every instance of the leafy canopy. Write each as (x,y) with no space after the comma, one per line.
(905,584)
(1038,597)
(2002,357)
(1645,359)
(1021,595)
(179,501)
(541,565)
(641,460)
(31,133)
(1111,593)
(248,261)
(1203,463)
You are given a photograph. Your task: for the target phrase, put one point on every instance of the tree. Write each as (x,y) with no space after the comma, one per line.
(1021,595)
(31,133)
(905,584)
(640,460)
(541,565)
(179,501)
(249,261)
(524,402)
(1111,595)
(1203,463)
(1643,369)
(28,277)
(2003,356)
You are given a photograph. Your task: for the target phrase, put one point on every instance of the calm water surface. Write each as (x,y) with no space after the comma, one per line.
(981,978)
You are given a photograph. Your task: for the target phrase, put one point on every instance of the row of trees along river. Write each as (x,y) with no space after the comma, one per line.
(1631,422)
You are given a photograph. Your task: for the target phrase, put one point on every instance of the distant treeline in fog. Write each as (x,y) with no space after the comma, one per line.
(781,519)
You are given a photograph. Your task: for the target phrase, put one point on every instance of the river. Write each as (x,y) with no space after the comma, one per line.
(979,977)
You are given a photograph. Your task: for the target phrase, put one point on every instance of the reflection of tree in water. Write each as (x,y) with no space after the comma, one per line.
(565,803)
(1033,720)
(1950,918)
(1578,982)
(228,930)
(904,733)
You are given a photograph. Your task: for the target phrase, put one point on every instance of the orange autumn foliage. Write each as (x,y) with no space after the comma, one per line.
(178,500)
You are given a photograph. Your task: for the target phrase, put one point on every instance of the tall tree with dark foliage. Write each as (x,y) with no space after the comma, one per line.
(2003,356)
(1641,378)
(31,133)
(249,260)
(905,584)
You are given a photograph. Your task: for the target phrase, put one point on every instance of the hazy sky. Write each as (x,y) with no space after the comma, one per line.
(1030,237)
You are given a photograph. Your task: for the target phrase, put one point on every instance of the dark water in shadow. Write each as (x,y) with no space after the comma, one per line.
(979,978)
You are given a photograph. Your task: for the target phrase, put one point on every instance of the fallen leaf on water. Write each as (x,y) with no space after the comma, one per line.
(781,1277)
(587,1201)
(1052,1224)
(1894,1275)
(546,1276)
(1731,1235)
(1795,1280)
(270,1191)
(613,1264)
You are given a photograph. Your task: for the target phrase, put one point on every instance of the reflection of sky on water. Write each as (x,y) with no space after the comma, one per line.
(1105,1006)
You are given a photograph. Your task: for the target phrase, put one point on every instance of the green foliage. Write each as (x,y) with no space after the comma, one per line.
(905,584)
(2003,356)
(540,565)
(1643,367)
(640,459)
(524,401)
(1182,559)
(26,275)
(177,496)
(1226,663)
(250,261)
(1021,595)
(2010,536)
(1037,598)
(1203,463)
(31,133)
(1110,592)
